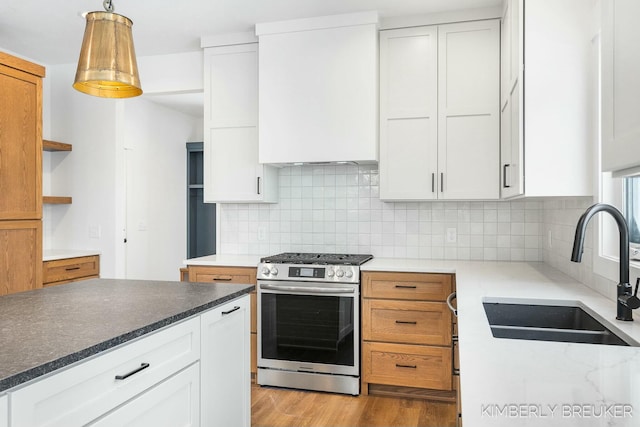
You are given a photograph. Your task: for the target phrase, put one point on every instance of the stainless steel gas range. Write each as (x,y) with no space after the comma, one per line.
(309,321)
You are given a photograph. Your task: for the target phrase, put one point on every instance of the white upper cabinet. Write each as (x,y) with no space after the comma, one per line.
(408,113)
(439,112)
(318,89)
(548,94)
(231,169)
(468,110)
(620,86)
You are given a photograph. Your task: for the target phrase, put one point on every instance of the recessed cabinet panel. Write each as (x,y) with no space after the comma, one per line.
(231,170)
(409,164)
(468,110)
(408,114)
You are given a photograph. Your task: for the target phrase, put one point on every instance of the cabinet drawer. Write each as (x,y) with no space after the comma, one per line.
(407,365)
(413,322)
(69,269)
(244,275)
(90,389)
(408,286)
(174,402)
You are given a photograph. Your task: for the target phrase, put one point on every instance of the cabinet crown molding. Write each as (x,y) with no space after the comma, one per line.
(317,23)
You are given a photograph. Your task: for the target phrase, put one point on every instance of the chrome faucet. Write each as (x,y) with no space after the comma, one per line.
(626,300)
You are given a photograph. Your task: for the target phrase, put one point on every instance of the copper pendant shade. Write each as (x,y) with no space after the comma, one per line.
(107,66)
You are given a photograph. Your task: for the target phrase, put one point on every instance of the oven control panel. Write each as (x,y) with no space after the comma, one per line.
(309,272)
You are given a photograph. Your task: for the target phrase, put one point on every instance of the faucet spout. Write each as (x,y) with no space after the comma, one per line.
(624,288)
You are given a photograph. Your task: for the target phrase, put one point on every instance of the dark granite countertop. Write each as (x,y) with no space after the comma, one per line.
(47,329)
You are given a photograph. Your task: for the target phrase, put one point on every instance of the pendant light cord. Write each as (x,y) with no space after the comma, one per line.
(108,5)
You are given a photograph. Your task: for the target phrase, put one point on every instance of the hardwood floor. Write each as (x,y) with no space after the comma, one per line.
(274,407)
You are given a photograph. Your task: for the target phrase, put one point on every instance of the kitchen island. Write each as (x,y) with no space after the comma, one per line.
(51,337)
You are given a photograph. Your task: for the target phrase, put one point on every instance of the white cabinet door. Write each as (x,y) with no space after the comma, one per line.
(225,365)
(231,169)
(4,411)
(620,86)
(408,113)
(318,89)
(174,402)
(468,110)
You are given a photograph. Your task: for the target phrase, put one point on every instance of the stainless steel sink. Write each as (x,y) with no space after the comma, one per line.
(550,320)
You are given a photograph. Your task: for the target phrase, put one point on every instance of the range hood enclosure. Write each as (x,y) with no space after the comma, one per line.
(318,90)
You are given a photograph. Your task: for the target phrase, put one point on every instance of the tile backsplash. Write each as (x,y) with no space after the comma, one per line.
(337,209)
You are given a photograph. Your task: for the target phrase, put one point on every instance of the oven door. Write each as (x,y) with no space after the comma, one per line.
(309,327)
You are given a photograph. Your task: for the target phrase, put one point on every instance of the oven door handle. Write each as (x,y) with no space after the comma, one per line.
(307,289)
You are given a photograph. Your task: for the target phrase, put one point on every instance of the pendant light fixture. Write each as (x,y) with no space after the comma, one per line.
(107,66)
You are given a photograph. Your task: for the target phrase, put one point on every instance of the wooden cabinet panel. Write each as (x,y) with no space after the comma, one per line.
(407,365)
(70,269)
(21,263)
(415,322)
(408,286)
(241,275)
(20,144)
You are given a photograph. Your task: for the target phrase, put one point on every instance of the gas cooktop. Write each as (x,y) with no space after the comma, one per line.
(317,258)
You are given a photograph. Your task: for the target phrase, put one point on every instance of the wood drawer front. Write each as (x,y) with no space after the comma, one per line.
(85,391)
(242,275)
(413,322)
(407,365)
(70,269)
(407,286)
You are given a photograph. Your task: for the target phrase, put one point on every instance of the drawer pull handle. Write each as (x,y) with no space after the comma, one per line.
(406,366)
(236,308)
(406,322)
(406,286)
(222,278)
(456,372)
(143,366)
(72,268)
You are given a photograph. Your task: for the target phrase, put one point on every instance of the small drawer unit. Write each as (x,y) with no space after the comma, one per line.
(407,335)
(59,271)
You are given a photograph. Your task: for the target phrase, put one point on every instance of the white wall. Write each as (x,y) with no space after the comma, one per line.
(154,142)
(87,173)
(94,173)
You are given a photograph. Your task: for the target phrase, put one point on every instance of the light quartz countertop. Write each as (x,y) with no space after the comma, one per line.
(225,261)
(56,254)
(506,382)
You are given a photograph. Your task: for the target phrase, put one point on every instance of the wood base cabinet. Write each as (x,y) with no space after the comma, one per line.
(21,263)
(66,270)
(407,335)
(239,275)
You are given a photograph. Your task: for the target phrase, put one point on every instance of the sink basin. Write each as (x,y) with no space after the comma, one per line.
(550,320)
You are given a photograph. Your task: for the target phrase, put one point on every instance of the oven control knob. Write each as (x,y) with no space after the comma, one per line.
(349,274)
(339,273)
(274,271)
(265,271)
(330,273)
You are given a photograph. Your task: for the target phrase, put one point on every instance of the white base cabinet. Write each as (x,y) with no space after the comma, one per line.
(226,375)
(196,372)
(439,112)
